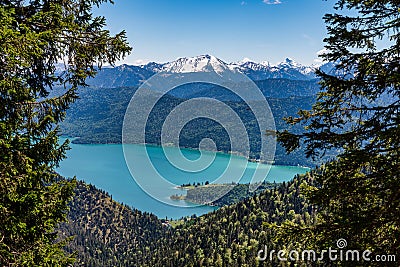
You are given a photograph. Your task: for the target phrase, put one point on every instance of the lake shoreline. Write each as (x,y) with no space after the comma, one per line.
(212,194)
(105,166)
(238,154)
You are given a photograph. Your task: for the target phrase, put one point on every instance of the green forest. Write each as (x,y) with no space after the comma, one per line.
(351,129)
(110,234)
(221,194)
(97,117)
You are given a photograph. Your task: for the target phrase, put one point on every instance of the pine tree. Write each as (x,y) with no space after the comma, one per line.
(357,117)
(35,36)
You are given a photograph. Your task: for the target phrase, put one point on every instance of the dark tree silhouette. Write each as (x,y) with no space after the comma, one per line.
(35,36)
(357,116)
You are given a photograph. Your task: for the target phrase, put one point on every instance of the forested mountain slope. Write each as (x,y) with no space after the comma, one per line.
(107,233)
(98,116)
(110,234)
(233,235)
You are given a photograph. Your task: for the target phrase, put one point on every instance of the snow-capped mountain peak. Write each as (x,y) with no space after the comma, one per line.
(153,66)
(203,63)
(291,64)
(127,75)
(266,63)
(288,69)
(247,64)
(288,63)
(244,61)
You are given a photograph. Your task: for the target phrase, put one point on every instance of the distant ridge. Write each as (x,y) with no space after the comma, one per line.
(130,76)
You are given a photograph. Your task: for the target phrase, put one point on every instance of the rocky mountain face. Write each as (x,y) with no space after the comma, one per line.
(130,76)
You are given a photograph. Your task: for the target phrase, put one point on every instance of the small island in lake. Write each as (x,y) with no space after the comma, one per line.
(219,194)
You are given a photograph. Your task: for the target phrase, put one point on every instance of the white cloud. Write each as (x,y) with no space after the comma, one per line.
(272,2)
(320,60)
(243,3)
(139,62)
(322,52)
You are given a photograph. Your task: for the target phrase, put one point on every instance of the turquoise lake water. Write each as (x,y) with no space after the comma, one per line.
(104,166)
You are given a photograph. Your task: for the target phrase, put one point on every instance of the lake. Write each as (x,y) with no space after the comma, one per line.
(105,166)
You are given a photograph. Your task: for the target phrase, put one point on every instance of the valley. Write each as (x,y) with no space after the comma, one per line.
(97,116)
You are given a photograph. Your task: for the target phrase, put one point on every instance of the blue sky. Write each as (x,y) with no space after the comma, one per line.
(161,30)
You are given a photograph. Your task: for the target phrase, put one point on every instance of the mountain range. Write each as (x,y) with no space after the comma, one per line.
(129,75)
(98,115)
